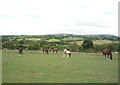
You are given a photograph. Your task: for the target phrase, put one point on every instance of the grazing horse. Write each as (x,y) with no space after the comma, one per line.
(55,50)
(67,53)
(20,50)
(108,53)
(45,51)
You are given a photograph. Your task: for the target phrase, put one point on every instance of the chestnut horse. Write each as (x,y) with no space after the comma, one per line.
(55,50)
(45,51)
(108,53)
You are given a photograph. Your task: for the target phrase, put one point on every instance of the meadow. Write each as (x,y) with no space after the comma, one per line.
(54,68)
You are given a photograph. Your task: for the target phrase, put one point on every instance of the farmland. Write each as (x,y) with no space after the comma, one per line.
(54,68)
(86,65)
(60,41)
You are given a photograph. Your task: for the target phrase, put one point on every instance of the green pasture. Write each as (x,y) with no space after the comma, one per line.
(54,68)
(30,39)
(53,40)
(72,39)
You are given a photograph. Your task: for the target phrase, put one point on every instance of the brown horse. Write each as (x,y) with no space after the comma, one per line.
(45,51)
(55,51)
(108,53)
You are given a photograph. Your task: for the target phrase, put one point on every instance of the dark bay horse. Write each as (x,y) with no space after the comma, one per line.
(45,51)
(20,50)
(108,53)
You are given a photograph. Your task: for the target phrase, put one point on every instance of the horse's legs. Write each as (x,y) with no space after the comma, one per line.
(105,55)
(111,56)
(47,52)
(21,52)
(69,54)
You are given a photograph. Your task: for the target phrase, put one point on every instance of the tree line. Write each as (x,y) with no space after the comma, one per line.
(11,42)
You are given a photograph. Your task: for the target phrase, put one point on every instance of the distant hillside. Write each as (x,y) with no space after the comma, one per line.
(92,36)
(68,36)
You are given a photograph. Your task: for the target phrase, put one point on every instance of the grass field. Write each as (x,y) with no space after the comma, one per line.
(99,42)
(54,68)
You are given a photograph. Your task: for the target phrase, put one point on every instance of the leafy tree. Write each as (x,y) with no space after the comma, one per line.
(5,39)
(9,45)
(74,47)
(46,47)
(111,47)
(80,48)
(34,46)
(42,43)
(87,44)
(98,48)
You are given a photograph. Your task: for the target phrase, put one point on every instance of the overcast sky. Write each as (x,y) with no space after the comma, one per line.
(38,17)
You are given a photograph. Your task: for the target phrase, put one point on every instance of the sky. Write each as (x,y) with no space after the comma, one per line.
(39,17)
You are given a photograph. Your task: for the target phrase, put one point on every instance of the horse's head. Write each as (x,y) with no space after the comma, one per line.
(110,54)
(65,50)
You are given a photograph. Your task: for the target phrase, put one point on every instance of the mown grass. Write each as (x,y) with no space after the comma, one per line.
(54,68)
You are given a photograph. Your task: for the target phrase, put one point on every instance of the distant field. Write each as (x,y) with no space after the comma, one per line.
(73,39)
(54,68)
(53,40)
(31,39)
(99,42)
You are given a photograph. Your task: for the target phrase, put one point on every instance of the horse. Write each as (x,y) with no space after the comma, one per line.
(108,53)
(55,50)
(45,51)
(67,53)
(20,50)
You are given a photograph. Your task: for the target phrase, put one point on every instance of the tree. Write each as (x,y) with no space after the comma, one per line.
(46,47)
(34,46)
(9,45)
(111,47)
(74,47)
(80,48)
(87,44)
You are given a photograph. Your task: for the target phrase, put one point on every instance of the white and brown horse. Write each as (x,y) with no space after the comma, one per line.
(66,53)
